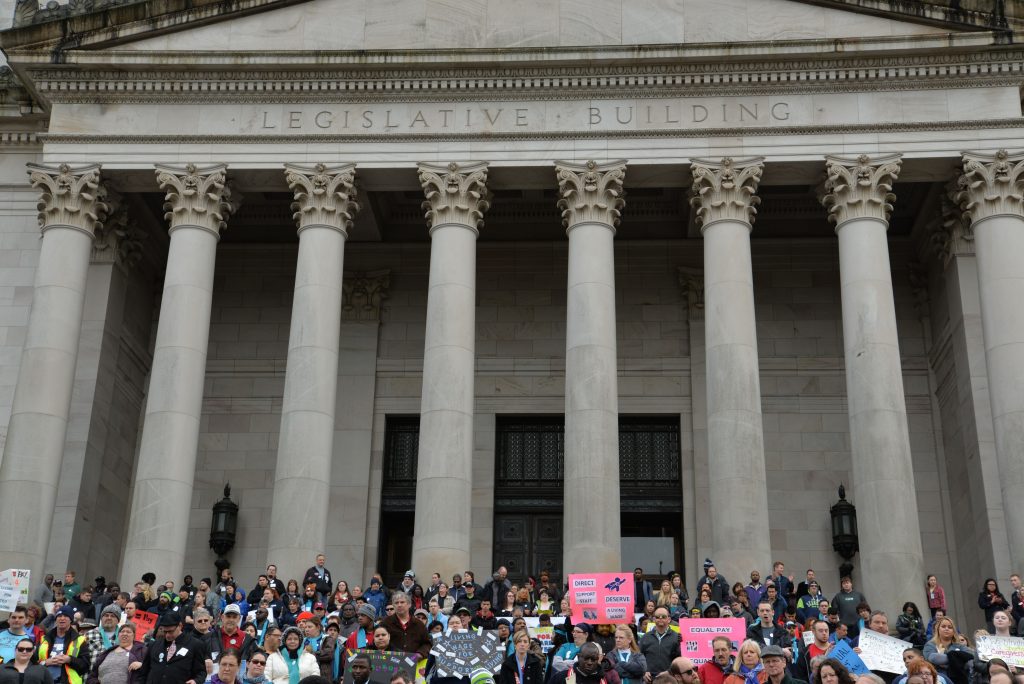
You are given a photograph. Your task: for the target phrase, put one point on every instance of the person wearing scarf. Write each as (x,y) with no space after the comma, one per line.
(291,663)
(748,668)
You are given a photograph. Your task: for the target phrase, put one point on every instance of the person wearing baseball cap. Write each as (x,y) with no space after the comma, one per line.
(228,635)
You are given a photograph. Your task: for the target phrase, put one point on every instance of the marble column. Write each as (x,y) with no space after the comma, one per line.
(456,199)
(858,196)
(591,200)
(725,198)
(71,209)
(991,197)
(324,206)
(197,205)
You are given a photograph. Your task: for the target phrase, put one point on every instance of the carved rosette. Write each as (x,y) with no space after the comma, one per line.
(992,185)
(71,197)
(692,282)
(456,193)
(952,234)
(591,192)
(324,195)
(362,295)
(726,190)
(860,187)
(196,196)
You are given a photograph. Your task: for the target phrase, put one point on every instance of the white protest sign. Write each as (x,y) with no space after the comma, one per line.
(1010,649)
(13,588)
(808,637)
(881,652)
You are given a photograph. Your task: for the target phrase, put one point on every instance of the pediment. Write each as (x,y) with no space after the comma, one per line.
(381,25)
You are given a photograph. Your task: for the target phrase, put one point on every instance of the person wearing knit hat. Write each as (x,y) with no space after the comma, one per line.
(362,636)
(481,676)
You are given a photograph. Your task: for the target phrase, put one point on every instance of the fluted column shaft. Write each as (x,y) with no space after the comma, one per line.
(456,199)
(197,208)
(591,202)
(991,197)
(324,206)
(859,200)
(724,193)
(71,208)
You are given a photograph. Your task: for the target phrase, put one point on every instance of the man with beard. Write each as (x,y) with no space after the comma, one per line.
(715,670)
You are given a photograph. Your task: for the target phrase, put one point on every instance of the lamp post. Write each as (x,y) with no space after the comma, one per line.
(844,531)
(223,529)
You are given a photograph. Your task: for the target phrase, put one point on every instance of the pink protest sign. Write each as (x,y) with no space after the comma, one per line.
(696,636)
(602,597)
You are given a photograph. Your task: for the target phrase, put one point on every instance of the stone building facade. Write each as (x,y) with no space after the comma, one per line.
(686,267)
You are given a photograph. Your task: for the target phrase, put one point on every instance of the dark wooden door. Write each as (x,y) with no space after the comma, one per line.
(527,543)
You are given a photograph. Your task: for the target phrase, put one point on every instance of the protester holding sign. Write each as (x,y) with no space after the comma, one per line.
(522,667)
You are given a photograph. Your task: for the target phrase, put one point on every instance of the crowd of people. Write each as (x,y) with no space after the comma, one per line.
(287,632)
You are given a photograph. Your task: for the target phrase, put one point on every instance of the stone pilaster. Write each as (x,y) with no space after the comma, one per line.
(858,196)
(325,202)
(198,204)
(725,199)
(591,200)
(992,197)
(71,209)
(456,199)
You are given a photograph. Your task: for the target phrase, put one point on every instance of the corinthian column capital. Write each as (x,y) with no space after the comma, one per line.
(726,189)
(324,195)
(591,192)
(860,187)
(992,185)
(456,193)
(71,197)
(196,196)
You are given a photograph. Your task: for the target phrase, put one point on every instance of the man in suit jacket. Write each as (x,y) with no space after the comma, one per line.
(175,657)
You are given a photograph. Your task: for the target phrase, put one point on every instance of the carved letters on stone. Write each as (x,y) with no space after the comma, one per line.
(456,193)
(591,192)
(362,294)
(324,196)
(992,185)
(860,187)
(196,196)
(726,189)
(71,197)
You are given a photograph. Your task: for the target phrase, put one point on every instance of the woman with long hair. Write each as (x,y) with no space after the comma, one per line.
(910,625)
(661,597)
(833,672)
(936,595)
(680,589)
(508,604)
(945,636)
(990,599)
(925,670)
(444,599)
(626,659)
(544,605)
(522,600)
(748,668)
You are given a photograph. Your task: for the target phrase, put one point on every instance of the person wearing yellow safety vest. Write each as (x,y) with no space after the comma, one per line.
(64,652)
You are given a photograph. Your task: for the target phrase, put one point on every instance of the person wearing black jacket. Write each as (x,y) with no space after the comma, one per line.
(174,658)
(522,667)
(765,632)
(63,648)
(319,575)
(484,618)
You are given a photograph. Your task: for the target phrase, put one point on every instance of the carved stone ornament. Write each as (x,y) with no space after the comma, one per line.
(362,295)
(591,192)
(119,240)
(952,234)
(860,187)
(196,196)
(71,197)
(456,193)
(726,189)
(992,185)
(324,195)
(692,282)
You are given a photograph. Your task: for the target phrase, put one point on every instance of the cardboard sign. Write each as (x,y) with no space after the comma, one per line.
(144,622)
(534,622)
(602,598)
(545,635)
(383,665)
(881,652)
(13,588)
(459,652)
(845,654)
(696,635)
(1010,649)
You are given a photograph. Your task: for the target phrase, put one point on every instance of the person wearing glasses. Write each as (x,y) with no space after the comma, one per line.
(119,664)
(660,646)
(683,671)
(256,668)
(566,654)
(21,670)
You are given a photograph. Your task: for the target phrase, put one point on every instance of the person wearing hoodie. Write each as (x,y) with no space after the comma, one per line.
(291,659)
(721,664)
